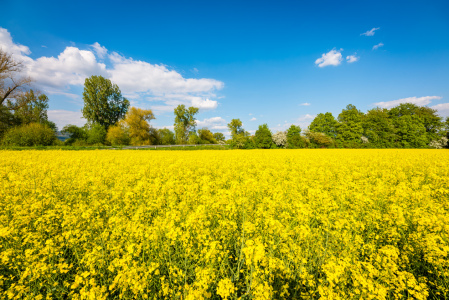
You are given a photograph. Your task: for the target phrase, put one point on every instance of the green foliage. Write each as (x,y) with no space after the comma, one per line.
(75,133)
(96,134)
(32,108)
(318,140)
(33,134)
(185,122)
(294,138)
(166,136)
(324,123)
(379,128)
(7,120)
(235,126)
(103,102)
(194,139)
(350,129)
(263,138)
(206,136)
(411,132)
(218,136)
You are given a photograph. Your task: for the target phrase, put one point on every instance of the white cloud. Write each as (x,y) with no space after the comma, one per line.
(204,103)
(71,67)
(331,58)
(215,123)
(64,117)
(139,80)
(370,32)
(415,100)
(7,45)
(375,47)
(306,118)
(352,58)
(100,50)
(442,108)
(253,119)
(305,104)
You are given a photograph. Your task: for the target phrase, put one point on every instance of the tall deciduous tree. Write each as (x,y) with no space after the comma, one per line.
(166,136)
(263,138)
(137,123)
(12,85)
(294,139)
(185,122)
(218,136)
(324,123)
(103,101)
(235,126)
(350,129)
(379,129)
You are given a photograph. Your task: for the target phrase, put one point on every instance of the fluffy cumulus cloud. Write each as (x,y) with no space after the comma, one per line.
(64,117)
(305,104)
(375,47)
(352,58)
(370,32)
(415,100)
(442,108)
(253,119)
(215,123)
(100,50)
(140,81)
(331,58)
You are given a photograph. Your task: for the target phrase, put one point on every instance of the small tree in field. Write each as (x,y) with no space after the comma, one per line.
(263,138)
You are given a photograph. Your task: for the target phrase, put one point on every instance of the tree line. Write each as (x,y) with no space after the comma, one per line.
(111,121)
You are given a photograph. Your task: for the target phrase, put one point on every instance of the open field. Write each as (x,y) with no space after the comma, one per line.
(255,224)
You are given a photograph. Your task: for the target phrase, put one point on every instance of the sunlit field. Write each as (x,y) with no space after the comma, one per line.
(255,224)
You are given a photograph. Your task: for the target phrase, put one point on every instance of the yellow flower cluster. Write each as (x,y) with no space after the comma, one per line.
(255,224)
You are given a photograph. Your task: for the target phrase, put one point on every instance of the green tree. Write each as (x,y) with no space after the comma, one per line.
(235,126)
(379,129)
(193,139)
(7,120)
(185,122)
(218,136)
(324,123)
(294,138)
(318,139)
(415,126)
(206,136)
(166,136)
(263,138)
(96,134)
(350,129)
(103,102)
(75,134)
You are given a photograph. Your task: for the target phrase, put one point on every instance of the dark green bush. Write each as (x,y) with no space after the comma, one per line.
(33,134)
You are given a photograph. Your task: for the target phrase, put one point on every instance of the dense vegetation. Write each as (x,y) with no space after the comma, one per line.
(111,121)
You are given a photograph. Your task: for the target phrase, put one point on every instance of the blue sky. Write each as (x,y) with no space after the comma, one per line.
(274,62)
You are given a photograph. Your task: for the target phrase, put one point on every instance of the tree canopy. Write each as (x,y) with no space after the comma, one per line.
(103,101)
(185,122)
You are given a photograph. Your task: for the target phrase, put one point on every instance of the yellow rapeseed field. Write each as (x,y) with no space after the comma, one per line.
(254,224)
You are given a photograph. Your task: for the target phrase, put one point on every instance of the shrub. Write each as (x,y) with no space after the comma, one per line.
(96,134)
(117,135)
(33,134)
